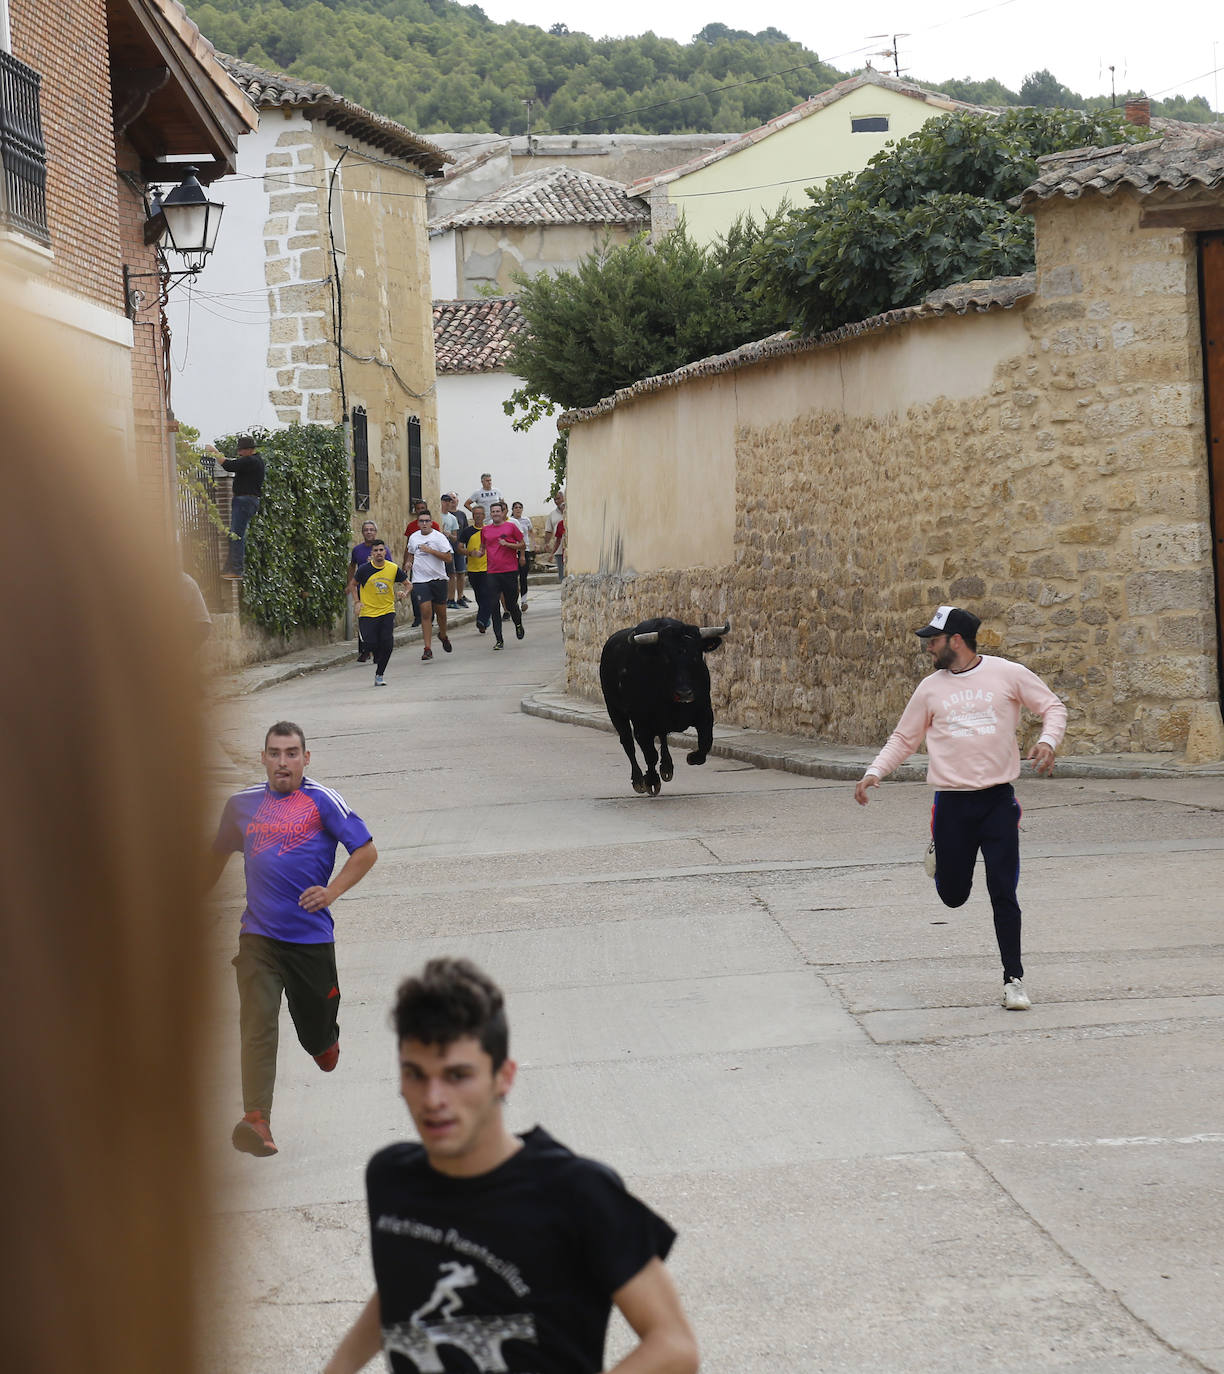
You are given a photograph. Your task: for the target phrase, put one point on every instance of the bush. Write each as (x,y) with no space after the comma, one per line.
(297,545)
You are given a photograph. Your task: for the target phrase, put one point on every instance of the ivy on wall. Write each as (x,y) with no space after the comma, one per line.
(297,545)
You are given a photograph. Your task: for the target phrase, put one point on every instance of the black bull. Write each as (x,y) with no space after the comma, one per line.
(655,683)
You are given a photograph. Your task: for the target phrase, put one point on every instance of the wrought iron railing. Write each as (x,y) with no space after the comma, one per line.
(202,541)
(23,155)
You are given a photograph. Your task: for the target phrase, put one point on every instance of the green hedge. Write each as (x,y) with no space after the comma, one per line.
(297,546)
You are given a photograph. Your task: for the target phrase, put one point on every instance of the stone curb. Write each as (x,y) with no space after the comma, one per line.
(260,676)
(817,759)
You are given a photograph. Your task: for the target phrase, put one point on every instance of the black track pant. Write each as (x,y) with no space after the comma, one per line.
(306,975)
(378,635)
(989,820)
(499,585)
(478,581)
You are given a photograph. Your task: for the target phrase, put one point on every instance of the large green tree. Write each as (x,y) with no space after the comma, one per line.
(927,212)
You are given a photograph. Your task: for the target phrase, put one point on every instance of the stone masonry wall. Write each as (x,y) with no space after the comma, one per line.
(1068,506)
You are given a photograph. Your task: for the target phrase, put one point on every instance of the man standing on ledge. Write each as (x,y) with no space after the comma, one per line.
(248,473)
(968,710)
(287,830)
(493,1250)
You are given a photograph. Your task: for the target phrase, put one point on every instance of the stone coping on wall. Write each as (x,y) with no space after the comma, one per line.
(980,297)
(815,758)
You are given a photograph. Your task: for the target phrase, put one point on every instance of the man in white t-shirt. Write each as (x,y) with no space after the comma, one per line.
(554,529)
(449,525)
(485,494)
(524,523)
(429,553)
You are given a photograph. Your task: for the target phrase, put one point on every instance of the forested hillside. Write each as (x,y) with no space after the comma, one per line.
(438,66)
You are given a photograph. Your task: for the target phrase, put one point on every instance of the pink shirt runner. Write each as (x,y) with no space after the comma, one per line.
(501,559)
(969,721)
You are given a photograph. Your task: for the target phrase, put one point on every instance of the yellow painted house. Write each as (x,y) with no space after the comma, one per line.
(834,132)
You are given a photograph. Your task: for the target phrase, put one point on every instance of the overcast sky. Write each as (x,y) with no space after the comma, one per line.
(1157,48)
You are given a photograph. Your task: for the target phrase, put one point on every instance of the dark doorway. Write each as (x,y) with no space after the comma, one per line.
(1211,294)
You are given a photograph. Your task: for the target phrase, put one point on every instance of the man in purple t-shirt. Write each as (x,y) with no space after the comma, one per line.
(358,558)
(287,830)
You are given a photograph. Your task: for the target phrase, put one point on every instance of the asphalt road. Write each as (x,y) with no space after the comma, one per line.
(745,996)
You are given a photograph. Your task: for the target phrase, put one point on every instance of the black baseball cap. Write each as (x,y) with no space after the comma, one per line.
(951,620)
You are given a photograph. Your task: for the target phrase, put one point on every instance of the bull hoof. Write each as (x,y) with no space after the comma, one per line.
(639,785)
(695,757)
(666,772)
(653,784)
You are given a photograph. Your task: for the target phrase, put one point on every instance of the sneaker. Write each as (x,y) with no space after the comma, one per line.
(379,680)
(499,645)
(363,657)
(482,628)
(416,625)
(463,601)
(328,1060)
(519,632)
(522,605)
(253,1135)
(446,644)
(232,577)
(451,605)
(427,655)
(1014,996)
(928,860)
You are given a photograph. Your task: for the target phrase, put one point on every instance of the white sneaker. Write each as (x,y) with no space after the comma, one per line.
(1014,996)
(928,860)
(379,680)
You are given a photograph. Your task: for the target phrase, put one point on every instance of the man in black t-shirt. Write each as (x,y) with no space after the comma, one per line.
(247,471)
(494,1251)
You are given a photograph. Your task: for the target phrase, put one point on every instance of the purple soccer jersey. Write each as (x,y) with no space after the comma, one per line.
(288,842)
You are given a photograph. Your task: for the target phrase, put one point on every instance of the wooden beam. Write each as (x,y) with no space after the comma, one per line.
(1195,218)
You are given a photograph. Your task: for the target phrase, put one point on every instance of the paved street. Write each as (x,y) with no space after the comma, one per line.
(745,996)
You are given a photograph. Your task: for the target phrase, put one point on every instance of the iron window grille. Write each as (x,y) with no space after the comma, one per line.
(23,155)
(361,460)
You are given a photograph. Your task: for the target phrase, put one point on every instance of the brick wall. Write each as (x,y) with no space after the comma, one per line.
(67,45)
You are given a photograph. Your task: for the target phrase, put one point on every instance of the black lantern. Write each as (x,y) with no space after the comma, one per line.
(185,223)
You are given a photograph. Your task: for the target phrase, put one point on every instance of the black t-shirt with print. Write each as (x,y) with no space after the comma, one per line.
(511,1270)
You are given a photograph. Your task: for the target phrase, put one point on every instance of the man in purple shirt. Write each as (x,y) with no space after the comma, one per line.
(359,556)
(287,830)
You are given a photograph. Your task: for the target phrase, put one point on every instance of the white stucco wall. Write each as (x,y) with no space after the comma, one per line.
(475,436)
(444,266)
(220,381)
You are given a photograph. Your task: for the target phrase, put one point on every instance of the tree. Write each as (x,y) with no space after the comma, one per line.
(1044,90)
(927,212)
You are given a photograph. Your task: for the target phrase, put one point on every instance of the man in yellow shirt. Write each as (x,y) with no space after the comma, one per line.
(376,584)
(478,567)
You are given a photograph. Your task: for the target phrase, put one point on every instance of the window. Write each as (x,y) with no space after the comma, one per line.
(361,460)
(869,124)
(23,156)
(414,459)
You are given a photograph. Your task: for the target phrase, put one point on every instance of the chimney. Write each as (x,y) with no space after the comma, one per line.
(1139,111)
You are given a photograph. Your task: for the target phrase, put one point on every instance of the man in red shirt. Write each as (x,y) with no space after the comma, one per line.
(503,541)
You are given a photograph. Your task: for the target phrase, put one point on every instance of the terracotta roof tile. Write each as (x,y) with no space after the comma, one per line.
(274,90)
(551,195)
(980,296)
(475,336)
(1176,162)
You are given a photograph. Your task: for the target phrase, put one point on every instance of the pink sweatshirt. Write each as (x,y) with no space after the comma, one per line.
(969,721)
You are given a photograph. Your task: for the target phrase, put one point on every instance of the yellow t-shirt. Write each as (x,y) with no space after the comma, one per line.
(477,559)
(378,587)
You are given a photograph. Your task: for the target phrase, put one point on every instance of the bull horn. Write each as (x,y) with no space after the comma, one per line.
(714,631)
(646,637)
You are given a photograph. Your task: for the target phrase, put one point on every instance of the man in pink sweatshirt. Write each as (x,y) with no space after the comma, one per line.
(968,710)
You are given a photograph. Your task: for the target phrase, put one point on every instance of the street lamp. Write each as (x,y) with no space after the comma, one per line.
(186,223)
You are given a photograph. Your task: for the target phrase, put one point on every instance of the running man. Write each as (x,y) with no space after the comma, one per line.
(360,555)
(503,542)
(429,552)
(287,830)
(377,581)
(968,711)
(478,568)
(509,1249)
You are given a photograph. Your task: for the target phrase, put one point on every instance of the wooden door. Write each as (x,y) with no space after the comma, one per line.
(1211,294)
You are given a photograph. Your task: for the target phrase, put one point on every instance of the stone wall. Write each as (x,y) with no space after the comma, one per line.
(1065,500)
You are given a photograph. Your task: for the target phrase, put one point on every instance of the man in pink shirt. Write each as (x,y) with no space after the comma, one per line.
(968,711)
(503,542)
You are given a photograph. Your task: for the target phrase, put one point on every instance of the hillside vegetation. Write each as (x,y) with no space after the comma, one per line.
(439,67)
